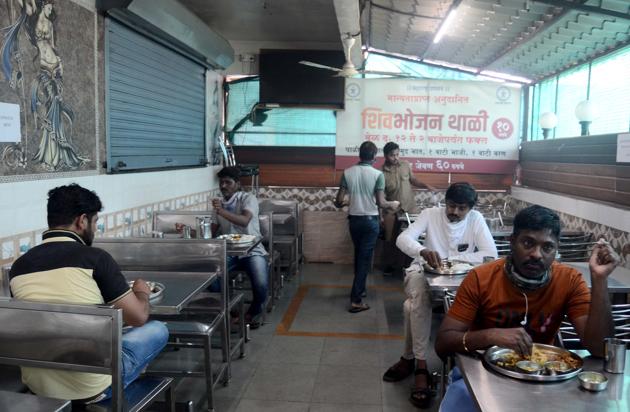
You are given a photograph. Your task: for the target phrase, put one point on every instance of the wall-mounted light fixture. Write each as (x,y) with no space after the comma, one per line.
(547,121)
(585,113)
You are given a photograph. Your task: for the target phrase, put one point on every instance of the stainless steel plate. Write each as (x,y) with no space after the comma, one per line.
(447,269)
(496,354)
(157,290)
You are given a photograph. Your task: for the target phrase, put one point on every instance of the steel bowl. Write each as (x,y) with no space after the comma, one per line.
(593,381)
(528,367)
(553,367)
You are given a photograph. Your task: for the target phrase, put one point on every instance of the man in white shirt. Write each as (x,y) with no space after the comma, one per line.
(455,232)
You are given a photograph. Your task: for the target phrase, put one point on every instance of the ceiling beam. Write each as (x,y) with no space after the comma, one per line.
(378,6)
(583,7)
(348,19)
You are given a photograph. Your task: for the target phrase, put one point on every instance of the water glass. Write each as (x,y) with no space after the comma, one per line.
(614,355)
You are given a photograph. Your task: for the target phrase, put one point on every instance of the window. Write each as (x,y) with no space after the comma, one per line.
(610,93)
(544,100)
(278,126)
(155,104)
(608,88)
(379,62)
(572,89)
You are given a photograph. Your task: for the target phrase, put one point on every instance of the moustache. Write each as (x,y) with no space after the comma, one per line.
(453,217)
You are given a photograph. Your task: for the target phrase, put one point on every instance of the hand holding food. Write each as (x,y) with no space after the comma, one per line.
(431,257)
(516,339)
(603,259)
(216,203)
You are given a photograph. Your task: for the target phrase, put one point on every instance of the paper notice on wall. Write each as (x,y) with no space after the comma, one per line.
(9,122)
(623,148)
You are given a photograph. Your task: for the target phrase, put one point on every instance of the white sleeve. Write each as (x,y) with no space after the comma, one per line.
(407,241)
(483,242)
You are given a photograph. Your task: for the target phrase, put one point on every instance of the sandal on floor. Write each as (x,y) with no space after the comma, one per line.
(421,397)
(358,308)
(400,370)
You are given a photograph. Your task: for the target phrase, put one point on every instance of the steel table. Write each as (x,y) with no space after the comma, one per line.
(618,281)
(180,288)
(493,392)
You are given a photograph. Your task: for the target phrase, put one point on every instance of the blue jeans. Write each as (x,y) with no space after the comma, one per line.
(257,270)
(364,232)
(457,398)
(140,345)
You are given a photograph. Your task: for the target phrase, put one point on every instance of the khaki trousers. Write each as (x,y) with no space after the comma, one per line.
(418,313)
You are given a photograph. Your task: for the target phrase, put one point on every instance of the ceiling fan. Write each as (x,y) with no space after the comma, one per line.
(348,69)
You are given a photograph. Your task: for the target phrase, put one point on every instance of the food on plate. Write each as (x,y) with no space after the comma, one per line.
(237,238)
(461,267)
(556,361)
(448,267)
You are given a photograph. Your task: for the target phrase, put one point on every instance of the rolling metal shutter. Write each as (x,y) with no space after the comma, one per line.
(155,104)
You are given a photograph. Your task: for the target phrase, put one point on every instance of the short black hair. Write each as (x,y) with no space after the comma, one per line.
(390,147)
(367,151)
(232,172)
(537,217)
(462,193)
(66,203)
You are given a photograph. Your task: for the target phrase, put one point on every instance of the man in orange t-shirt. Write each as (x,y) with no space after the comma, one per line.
(522,299)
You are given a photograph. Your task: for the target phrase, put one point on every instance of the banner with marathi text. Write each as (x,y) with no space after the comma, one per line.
(440,125)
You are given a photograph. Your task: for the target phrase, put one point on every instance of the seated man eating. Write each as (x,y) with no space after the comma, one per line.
(455,232)
(523,298)
(237,213)
(65,268)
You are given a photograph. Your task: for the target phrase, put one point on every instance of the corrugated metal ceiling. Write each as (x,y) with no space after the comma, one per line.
(527,38)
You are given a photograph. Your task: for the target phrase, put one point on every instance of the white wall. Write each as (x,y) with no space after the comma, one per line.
(23,204)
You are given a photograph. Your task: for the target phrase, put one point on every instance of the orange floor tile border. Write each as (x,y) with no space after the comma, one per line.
(284,327)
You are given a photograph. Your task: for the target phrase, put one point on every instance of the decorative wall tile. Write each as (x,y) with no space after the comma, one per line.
(617,238)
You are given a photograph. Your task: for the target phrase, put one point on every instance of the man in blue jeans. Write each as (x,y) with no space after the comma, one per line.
(237,213)
(65,268)
(365,187)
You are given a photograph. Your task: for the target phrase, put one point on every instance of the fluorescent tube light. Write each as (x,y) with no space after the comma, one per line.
(445,25)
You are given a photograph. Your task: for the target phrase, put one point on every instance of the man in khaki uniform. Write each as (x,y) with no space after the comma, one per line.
(398,181)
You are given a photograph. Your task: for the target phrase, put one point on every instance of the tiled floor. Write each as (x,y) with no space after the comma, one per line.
(323,358)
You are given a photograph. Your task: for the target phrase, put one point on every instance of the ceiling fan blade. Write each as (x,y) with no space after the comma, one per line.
(319,66)
(395,74)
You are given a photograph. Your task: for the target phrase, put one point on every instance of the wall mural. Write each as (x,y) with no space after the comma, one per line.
(48,67)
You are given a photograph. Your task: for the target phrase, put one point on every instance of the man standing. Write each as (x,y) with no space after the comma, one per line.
(455,232)
(66,269)
(398,181)
(237,213)
(523,298)
(364,185)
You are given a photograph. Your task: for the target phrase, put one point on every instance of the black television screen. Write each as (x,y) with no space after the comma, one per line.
(284,81)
